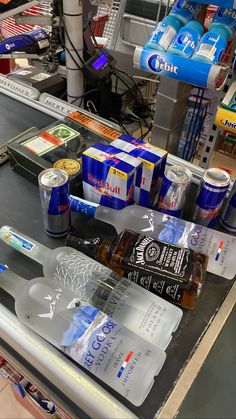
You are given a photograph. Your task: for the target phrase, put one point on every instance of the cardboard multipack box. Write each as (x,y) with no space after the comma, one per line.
(151,171)
(109,176)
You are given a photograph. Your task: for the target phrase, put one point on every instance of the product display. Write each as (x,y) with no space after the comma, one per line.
(212,191)
(98,343)
(54,193)
(174,273)
(218,246)
(174,190)
(150,317)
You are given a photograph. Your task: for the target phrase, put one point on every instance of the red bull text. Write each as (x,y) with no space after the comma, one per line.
(54,193)
(109,176)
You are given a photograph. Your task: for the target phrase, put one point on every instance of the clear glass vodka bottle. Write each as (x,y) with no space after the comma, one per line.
(137,309)
(117,356)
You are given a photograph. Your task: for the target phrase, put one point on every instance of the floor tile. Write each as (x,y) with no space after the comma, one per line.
(10,407)
(3,382)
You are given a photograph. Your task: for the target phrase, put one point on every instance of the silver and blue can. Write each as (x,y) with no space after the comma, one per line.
(174,189)
(228,217)
(54,194)
(210,197)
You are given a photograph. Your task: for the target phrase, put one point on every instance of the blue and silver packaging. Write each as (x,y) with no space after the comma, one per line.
(174,189)
(228,217)
(109,176)
(150,173)
(226,18)
(162,36)
(187,39)
(185,10)
(212,45)
(212,191)
(54,194)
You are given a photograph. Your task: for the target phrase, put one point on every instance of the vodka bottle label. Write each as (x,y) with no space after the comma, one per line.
(15,240)
(112,294)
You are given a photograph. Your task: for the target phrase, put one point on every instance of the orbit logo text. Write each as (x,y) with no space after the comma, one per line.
(157,63)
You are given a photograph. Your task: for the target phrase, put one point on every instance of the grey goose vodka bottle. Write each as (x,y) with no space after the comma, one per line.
(137,309)
(114,354)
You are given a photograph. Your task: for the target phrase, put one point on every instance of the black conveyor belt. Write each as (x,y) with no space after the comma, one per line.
(21,209)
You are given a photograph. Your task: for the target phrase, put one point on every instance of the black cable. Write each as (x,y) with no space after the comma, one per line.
(51,61)
(133,81)
(85,94)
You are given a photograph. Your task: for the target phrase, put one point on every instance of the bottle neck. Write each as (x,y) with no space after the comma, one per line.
(24,244)
(82,206)
(94,247)
(11,282)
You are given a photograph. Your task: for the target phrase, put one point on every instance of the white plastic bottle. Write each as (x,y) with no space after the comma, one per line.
(114,354)
(148,315)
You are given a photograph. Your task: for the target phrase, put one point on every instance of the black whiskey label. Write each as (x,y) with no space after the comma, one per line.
(161,268)
(165,287)
(160,258)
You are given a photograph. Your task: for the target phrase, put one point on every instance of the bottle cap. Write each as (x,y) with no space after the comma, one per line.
(197,26)
(89,246)
(220,30)
(173,21)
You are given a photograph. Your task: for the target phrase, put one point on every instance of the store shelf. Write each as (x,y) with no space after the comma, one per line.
(19,9)
(230,4)
(196,73)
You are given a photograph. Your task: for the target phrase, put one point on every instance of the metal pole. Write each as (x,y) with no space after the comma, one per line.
(73,22)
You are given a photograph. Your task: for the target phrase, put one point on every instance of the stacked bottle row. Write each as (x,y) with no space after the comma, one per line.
(180,34)
(108,324)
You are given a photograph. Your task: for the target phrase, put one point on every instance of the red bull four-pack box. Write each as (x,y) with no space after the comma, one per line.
(150,173)
(109,176)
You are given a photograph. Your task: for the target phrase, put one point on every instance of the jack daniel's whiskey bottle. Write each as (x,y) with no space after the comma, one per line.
(172,272)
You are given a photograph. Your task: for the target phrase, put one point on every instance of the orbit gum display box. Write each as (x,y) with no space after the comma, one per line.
(150,173)
(109,176)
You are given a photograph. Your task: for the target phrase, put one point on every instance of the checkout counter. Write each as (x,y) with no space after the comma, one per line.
(69,386)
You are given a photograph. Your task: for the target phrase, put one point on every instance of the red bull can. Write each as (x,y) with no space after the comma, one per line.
(54,194)
(228,217)
(174,189)
(210,197)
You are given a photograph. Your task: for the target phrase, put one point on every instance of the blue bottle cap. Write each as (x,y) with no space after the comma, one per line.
(173,21)
(197,26)
(220,30)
